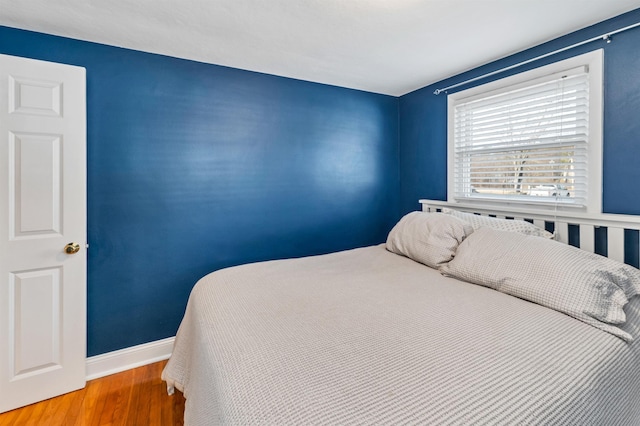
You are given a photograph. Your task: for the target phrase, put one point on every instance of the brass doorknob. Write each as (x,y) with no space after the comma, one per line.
(72,248)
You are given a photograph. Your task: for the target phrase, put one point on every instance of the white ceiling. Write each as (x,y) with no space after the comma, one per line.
(383,46)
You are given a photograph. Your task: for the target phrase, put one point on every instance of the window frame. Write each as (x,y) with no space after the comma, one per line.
(594,60)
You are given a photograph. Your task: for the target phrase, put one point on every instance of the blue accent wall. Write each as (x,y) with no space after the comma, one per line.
(195,167)
(423,118)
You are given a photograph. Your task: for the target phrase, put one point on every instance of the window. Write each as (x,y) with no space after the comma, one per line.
(534,138)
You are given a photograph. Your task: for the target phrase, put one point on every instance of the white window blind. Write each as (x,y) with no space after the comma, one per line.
(527,142)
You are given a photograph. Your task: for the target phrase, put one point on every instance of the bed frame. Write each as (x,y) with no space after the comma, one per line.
(614,236)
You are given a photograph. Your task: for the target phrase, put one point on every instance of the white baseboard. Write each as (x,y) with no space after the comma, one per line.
(128,358)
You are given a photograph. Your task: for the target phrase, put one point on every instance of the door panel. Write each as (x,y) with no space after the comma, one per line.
(42,208)
(37,337)
(34,184)
(34,97)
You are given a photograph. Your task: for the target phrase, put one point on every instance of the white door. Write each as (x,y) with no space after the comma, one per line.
(42,208)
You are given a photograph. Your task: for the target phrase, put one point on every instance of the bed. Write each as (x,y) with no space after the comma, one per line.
(375,335)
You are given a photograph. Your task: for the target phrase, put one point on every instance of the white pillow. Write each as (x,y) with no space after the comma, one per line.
(428,238)
(511,225)
(586,286)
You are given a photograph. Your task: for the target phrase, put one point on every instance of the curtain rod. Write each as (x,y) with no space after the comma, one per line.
(606,37)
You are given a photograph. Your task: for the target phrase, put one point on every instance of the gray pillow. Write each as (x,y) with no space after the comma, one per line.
(512,225)
(428,238)
(586,286)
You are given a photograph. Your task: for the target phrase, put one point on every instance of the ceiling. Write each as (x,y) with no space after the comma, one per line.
(384,46)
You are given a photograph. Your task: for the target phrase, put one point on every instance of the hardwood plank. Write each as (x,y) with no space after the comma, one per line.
(133,397)
(8,418)
(157,386)
(27,417)
(48,413)
(145,380)
(116,398)
(89,405)
(178,409)
(35,414)
(132,406)
(62,405)
(155,413)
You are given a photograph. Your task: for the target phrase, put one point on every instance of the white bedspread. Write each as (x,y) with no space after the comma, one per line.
(369,337)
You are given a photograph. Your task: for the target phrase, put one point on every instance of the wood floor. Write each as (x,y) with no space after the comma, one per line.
(133,397)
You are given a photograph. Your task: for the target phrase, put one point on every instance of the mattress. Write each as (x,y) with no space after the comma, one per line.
(369,337)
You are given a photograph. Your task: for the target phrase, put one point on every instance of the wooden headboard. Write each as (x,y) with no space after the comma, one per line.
(614,236)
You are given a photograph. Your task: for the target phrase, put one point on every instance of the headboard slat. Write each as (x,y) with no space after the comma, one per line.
(562,232)
(587,238)
(539,223)
(615,243)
